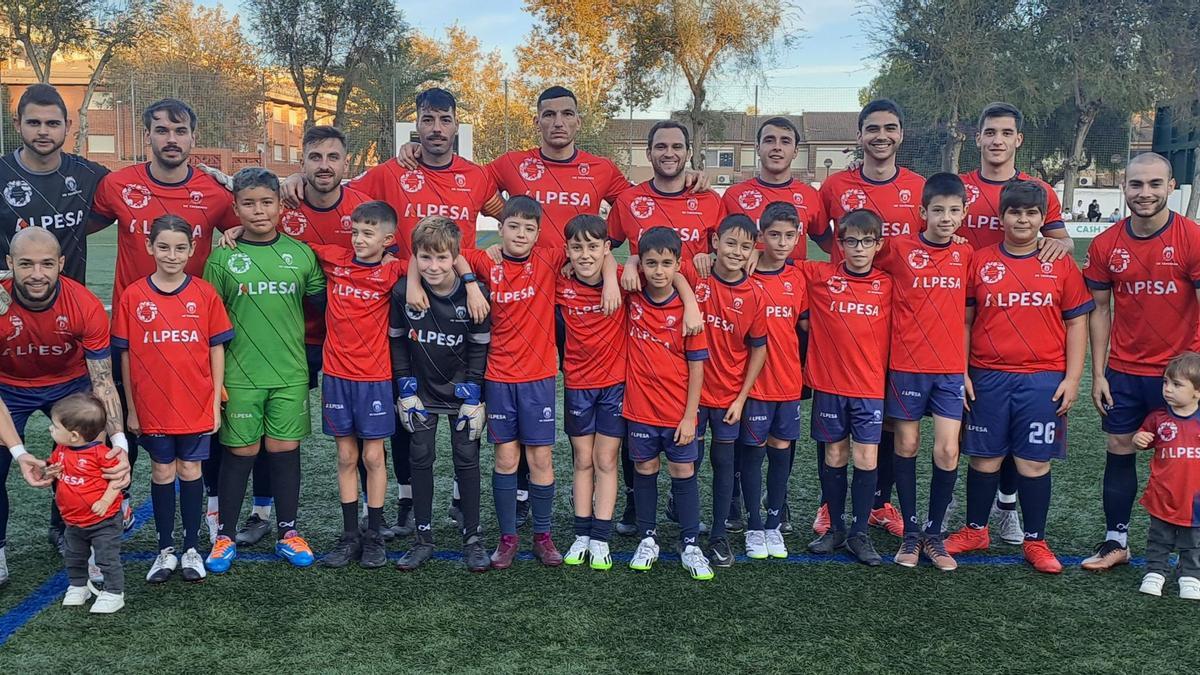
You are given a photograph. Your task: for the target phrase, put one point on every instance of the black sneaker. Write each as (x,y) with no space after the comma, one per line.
(522,513)
(827,543)
(57,540)
(719,553)
(418,554)
(860,545)
(347,550)
(671,514)
(476,556)
(252,531)
(374,553)
(405,523)
(455,514)
(735,524)
(627,526)
(785,520)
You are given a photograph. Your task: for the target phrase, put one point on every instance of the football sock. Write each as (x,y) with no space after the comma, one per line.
(941,491)
(1120,489)
(401,443)
(523,476)
(583,526)
(779,468)
(285,485)
(821,499)
(375,518)
(261,488)
(235,471)
(721,454)
(162,495)
(601,529)
(905,475)
(1035,505)
(981,491)
(862,492)
(504,493)
(210,469)
(687,505)
(883,487)
(421,494)
(645,501)
(833,489)
(191,500)
(350,517)
(467,483)
(541,505)
(1007,499)
(751,480)
(628,471)
(735,501)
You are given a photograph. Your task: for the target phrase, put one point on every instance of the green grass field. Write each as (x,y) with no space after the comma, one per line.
(800,615)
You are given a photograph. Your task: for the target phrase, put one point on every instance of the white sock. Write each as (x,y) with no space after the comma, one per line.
(1121,538)
(1006,498)
(213,504)
(522,495)
(404,491)
(454,493)
(263,512)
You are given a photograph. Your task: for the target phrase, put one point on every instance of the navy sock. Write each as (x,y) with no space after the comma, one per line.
(833,490)
(779,468)
(821,473)
(210,468)
(862,492)
(735,505)
(601,529)
(541,503)
(905,475)
(583,526)
(191,510)
(163,497)
(941,491)
(375,518)
(1120,489)
(645,501)
(1008,483)
(235,471)
(883,486)
(350,518)
(285,487)
(723,478)
(1035,505)
(687,505)
(504,493)
(981,492)
(261,480)
(751,479)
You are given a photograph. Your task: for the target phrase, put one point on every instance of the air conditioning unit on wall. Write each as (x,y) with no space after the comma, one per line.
(724,180)
(1084,181)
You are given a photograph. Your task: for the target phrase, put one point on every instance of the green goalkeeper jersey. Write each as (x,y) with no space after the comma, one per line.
(264,286)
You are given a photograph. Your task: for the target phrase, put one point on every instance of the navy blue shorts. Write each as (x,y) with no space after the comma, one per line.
(911,396)
(1015,412)
(778,419)
(715,418)
(521,411)
(24,401)
(647,441)
(315,355)
(362,409)
(594,411)
(1134,397)
(166,448)
(836,417)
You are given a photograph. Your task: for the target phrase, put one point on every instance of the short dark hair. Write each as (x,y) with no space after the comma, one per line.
(522,206)
(586,226)
(779,212)
(177,111)
(375,213)
(863,221)
(1002,109)
(782,123)
(1022,194)
(556,92)
(880,105)
(1186,366)
(40,93)
(323,132)
(436,98)
(669,124)
(169,223)
(254,177)
(943,184)
(738,221)
(82,413)
(661,239)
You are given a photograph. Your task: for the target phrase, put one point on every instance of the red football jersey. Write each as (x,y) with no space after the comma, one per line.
(1173,492)
(981,228)
(133,198)
(929,292)
(457,191)
(312,225)
(785,300)
(656,379)
(751,197)
(48,347)
(522,289)
(1153,282)
(167,337)
(849,323)
(594,352)
(734,321)
(360,296)
(694,215)
(564,188)
(81,484)
(1021,305)
(897,201)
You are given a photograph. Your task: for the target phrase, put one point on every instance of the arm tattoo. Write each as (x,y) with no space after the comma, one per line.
(100,371)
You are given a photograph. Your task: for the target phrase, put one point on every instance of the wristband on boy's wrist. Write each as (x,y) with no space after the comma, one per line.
(18,450)
(119,441)
(469,277)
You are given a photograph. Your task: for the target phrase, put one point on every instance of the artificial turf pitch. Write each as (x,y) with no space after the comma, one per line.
(801,615)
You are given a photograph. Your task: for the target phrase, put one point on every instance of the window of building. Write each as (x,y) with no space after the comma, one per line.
(102,144)
(719,158)
(292,117)
(278,153)
(294,153)
(277,113)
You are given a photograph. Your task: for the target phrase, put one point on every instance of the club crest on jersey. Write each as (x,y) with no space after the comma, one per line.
(955,257)
(346,224)
(62,323)
(918,259)
(853,199)
(569,293)
(750,200)
(671,321)
(703,292)
(528,268)
(136,195)
(798,198)
(413,313)
(635,311)
(1167,431)
(905,195)
(190,308)
(585,169)
(837,284)
(147,311)
(17,326)
(239,263)
(18,193)
(787,287)
(972,194)
(497,275)
(692,204)
(642,207)
(287,259)
(294,223)
(531,169)
(1047,268)
(460,180)
(1118,260)
(460,312)
(875,286)
(737,305)
(992,272)
(72,184)
(412,181)
(1168,254)
(196,196)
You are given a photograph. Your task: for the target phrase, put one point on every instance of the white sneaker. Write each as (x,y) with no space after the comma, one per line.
(192,566)
(775,546)
(601,559)
(94,574)
(3,566)
(645,556)
(163,566)
(1009,527)
(213,522)
(107,603)
(695,563)
(577,554)
(1152,584)
(756,545)
(1189,588)
(76,596)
